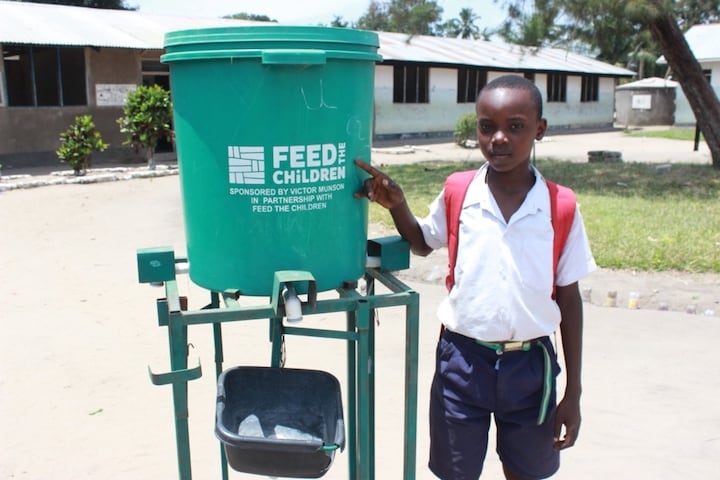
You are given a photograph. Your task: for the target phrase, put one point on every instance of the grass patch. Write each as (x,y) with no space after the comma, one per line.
(636,218)
(671,133)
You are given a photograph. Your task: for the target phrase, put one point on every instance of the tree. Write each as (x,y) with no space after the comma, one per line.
(694,12)
(533,29)
(416,17)
(462,27)
(685,67)
(147,117)
(604,25)
(376,18)
(338,22)
(626,31)
(78,143)
(467,24)
(250,16)
(104,4)
(601,29)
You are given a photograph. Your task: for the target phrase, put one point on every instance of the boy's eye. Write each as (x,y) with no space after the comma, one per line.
(485,129)
(516,126)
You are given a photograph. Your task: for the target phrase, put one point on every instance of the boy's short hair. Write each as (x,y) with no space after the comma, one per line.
(519,83)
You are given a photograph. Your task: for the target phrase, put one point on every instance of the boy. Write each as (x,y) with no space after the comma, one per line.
(494,356)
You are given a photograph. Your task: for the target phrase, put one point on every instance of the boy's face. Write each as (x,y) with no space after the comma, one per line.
(507,125)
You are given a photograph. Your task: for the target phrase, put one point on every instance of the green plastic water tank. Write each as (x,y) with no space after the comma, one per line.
(268,122)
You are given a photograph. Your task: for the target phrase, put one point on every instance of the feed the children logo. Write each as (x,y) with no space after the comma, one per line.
(287,178)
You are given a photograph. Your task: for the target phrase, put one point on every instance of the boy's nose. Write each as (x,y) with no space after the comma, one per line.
(499,137)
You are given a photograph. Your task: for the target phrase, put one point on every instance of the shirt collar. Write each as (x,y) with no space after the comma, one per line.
(537,199)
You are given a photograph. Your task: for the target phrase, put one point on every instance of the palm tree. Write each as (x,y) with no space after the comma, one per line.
(468,29)
(463,27)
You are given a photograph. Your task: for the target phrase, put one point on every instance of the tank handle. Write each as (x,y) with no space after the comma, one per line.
(294,57)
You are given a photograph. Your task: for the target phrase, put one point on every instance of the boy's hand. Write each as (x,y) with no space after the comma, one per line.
(379,188)
(567,415)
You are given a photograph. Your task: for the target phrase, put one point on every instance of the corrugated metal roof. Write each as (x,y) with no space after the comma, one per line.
(492,54)
(652,82)
(704,41)
(43,24)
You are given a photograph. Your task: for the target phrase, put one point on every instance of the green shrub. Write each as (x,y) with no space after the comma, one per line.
(78,143)
(147,118)
(466,129)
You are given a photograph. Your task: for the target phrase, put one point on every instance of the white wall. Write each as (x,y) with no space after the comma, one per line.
(684,115)
(440,115)
(437,116)
(576,114)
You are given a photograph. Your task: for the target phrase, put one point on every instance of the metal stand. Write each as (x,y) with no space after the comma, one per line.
(157,265)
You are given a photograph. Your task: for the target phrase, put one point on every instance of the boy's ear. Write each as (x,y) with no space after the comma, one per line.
(541,127)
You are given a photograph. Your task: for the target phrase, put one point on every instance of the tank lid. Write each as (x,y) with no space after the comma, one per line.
(226,42)
(271,33)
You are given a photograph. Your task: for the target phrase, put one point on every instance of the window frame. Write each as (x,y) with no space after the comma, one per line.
(589,88)
(470,77)
(46,76)
(405,74)
(2,85)
(556,88)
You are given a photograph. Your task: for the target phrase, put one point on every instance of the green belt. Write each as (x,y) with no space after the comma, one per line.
(502,347)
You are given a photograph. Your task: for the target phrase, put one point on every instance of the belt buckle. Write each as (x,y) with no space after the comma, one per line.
(512,346)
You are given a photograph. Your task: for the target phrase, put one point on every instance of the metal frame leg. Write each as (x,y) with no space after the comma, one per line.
(177,332)
(365,430)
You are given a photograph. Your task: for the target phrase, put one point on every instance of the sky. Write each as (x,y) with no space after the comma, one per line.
(305,12)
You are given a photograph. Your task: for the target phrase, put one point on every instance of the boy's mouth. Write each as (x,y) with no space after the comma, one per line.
(499,153)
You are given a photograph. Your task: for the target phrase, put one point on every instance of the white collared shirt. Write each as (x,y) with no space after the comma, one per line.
(503,273)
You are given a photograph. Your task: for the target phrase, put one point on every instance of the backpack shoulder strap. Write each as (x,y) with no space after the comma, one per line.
(562,214)
(456,186)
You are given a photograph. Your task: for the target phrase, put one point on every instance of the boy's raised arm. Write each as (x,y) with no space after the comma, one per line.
(380,188)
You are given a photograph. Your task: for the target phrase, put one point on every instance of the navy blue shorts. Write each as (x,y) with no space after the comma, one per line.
(472,382)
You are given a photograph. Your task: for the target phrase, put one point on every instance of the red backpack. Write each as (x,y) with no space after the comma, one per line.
(562,213)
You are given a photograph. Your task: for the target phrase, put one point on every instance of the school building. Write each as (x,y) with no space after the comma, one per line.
(59,62)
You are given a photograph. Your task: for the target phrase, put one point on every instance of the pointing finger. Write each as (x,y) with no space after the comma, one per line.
(368,168)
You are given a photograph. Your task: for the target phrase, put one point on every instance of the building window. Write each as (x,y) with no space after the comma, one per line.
(589,88)
(156,73)
(44,76)
(556,87)
(469,83)
(2,87)
(410,84)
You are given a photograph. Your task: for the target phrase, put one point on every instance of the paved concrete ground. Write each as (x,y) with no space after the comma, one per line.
(79,333)
(574,147)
